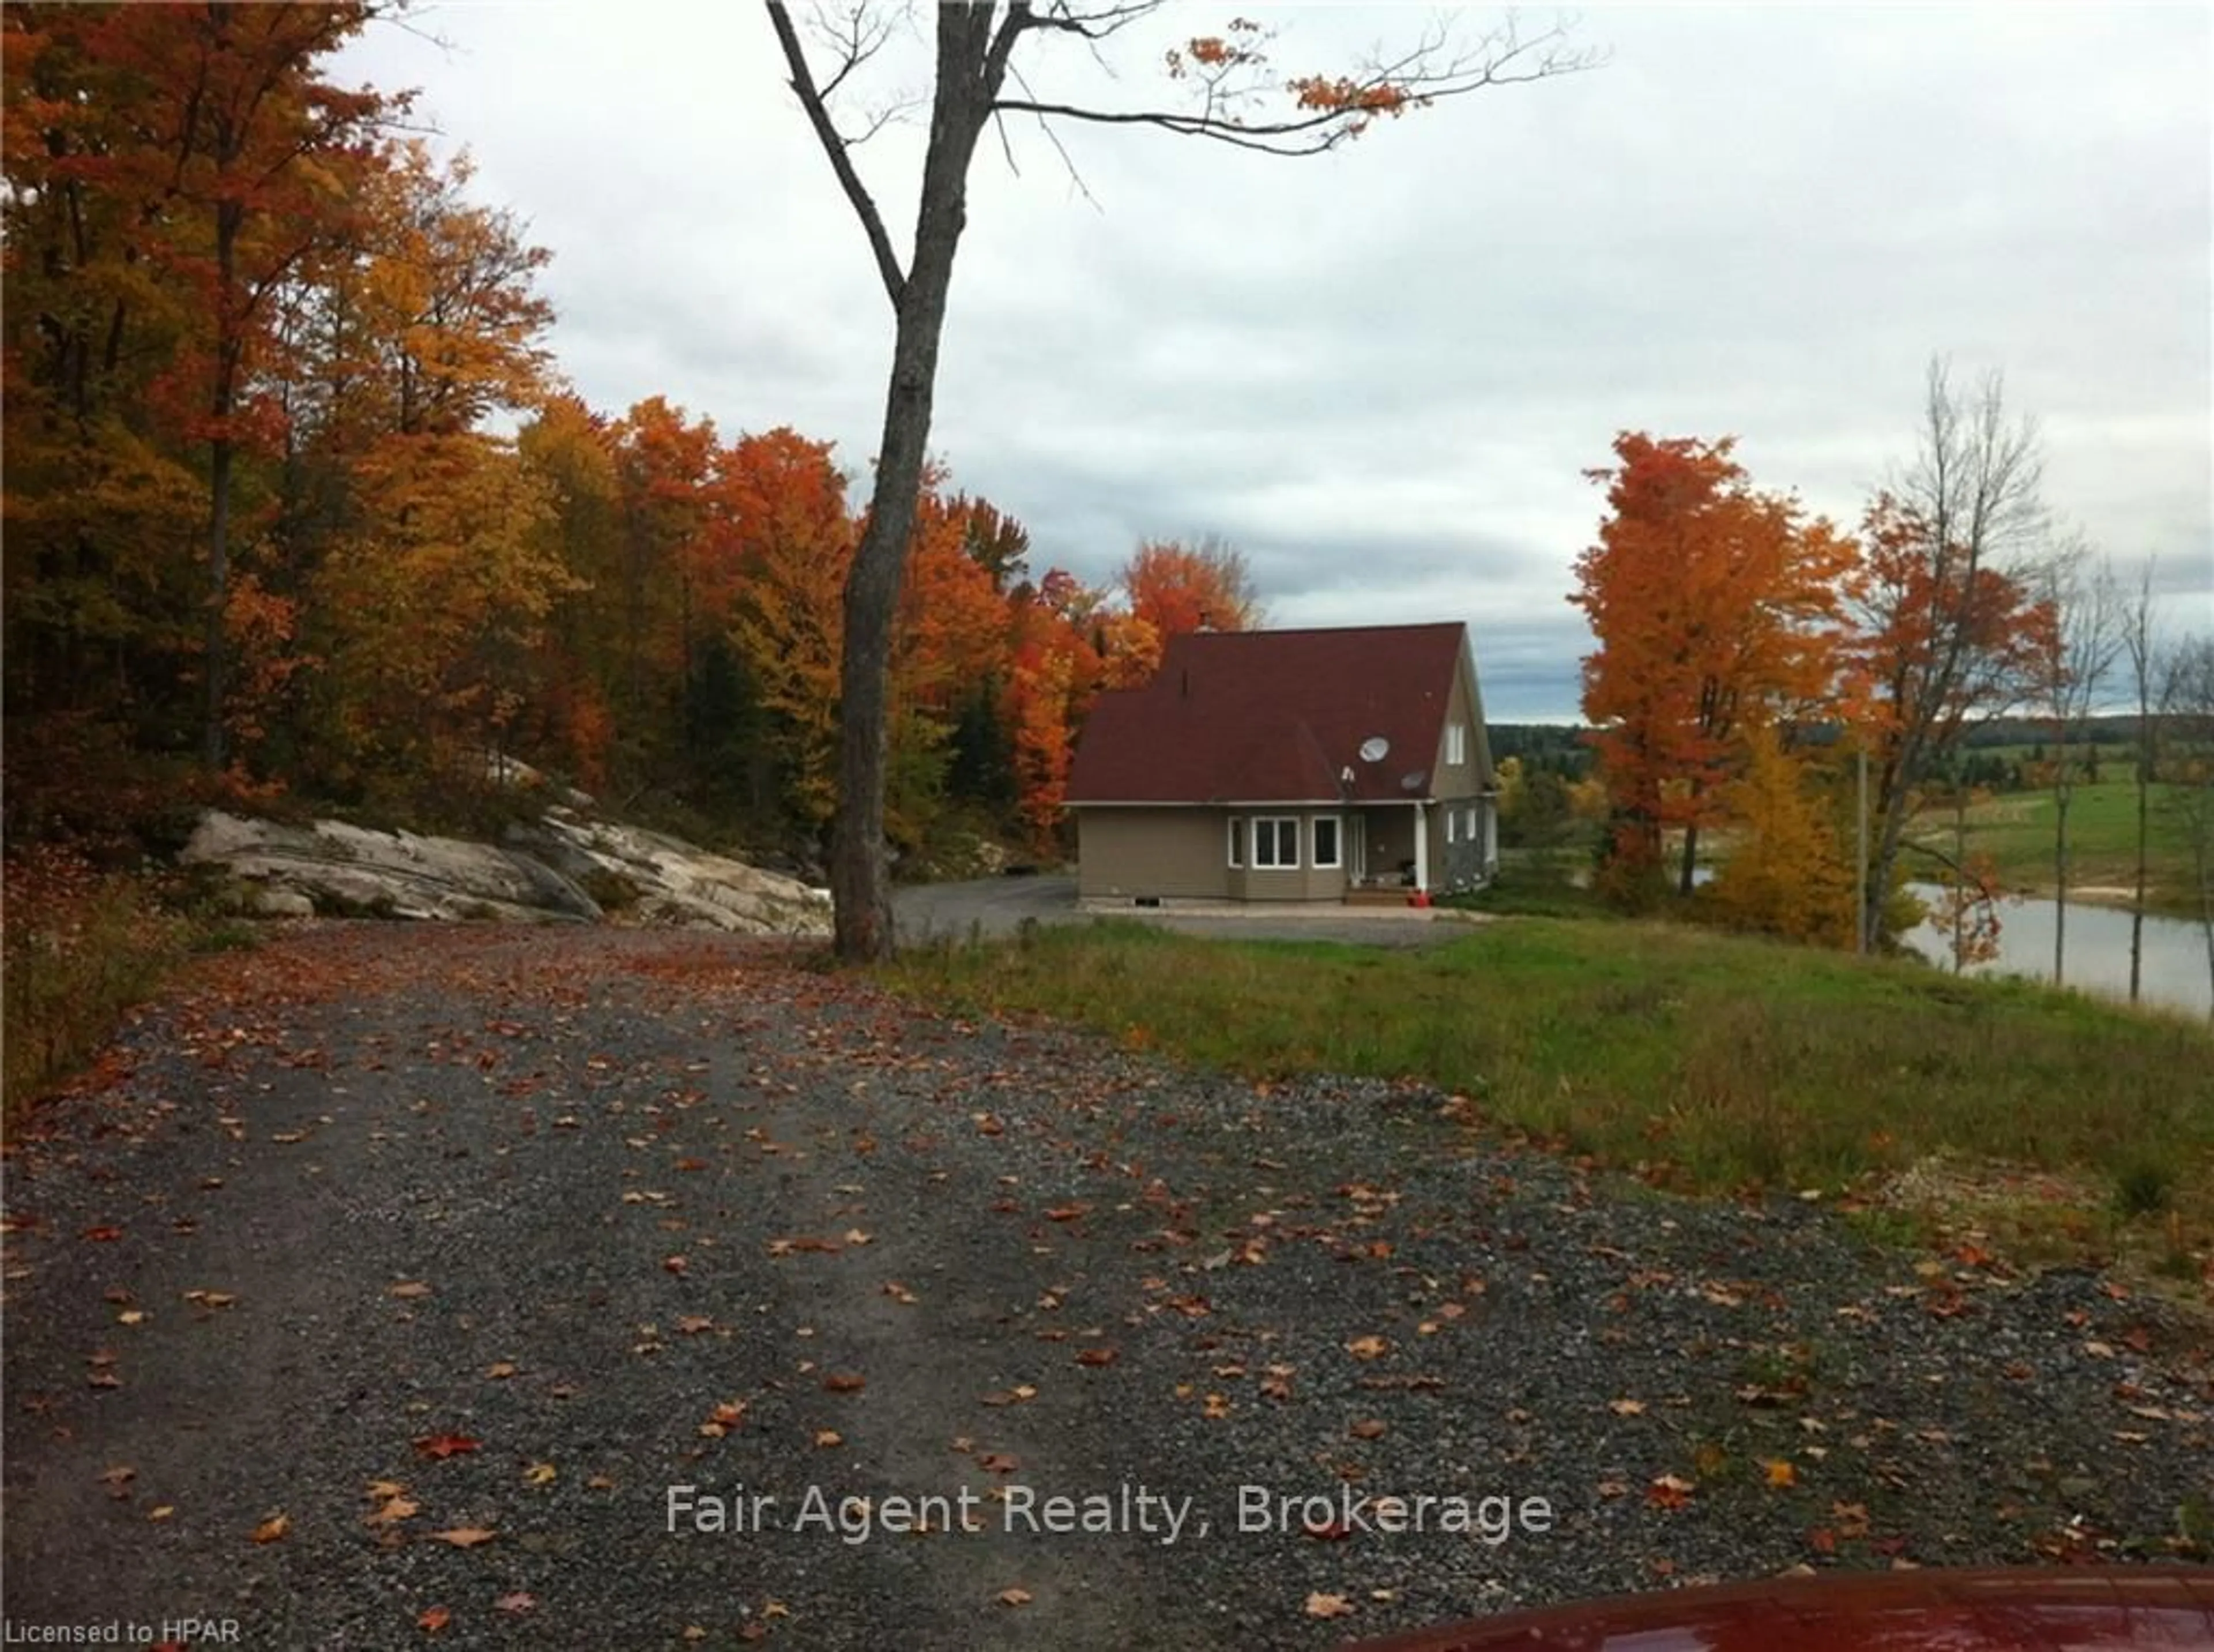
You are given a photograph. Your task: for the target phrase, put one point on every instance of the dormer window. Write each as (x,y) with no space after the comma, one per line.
(1456,742)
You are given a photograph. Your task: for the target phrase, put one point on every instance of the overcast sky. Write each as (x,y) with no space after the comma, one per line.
(1381,373)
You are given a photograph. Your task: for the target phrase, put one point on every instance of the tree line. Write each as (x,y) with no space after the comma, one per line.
(299,505)
(1812,692)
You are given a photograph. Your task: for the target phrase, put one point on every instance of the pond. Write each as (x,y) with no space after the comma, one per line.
(2174,973)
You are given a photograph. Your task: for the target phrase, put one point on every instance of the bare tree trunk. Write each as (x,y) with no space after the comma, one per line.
(970,67)
(212,743)
(1690,859)
(860,874)
(2136,640)
(2060,880)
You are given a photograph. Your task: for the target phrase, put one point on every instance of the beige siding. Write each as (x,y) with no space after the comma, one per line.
(1182,855)
(1166,854)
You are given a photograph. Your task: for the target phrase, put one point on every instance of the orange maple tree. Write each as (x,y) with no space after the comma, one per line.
(1716,609)
(1177,587)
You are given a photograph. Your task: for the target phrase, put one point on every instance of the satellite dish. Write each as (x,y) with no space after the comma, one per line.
(1413,782)
(1373,748)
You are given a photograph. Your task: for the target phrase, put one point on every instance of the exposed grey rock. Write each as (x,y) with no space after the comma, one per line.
(270,902)
(670,883)
(346,869)
(565,869)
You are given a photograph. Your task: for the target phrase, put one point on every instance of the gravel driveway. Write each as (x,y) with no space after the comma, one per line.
(381,1287)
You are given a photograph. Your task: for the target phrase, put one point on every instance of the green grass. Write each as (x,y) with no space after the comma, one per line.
(1708,1061)
(2015,829)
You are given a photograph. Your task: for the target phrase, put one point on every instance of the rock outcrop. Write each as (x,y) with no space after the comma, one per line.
(563,869)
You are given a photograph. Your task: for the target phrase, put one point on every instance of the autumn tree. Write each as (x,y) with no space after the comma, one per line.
(1234,96)
(243,167)
(1715,611)
(1791,875)
(1177,587)
(1943,624)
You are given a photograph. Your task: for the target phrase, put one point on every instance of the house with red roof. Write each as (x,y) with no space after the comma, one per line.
(1311,765)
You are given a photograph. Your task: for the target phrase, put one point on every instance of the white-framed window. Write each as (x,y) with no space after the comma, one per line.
(1326,852)
(1276,841)
(1236,840)
(1456,742)
(1452,820)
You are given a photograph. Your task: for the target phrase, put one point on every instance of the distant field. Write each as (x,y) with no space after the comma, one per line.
(2015,829)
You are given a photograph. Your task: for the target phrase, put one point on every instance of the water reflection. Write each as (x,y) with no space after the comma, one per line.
(2174,972)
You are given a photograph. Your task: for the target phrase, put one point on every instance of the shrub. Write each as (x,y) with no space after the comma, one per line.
(81,946)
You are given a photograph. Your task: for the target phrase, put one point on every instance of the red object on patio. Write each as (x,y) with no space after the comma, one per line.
(2031,1609)
(1420,897)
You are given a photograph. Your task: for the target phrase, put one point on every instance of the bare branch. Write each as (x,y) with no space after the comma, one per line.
(1052,136)
(837,149)
(1329,114)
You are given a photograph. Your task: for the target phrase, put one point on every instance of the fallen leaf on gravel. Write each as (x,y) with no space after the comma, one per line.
(1613,1488)
(103,1234)
(1368,1428)
(693,1632)
(674,1265)
(433,1619)
(845,1382)
(516,1602)
(211,1299)
(500,1370)
(1367,1348)
(1329,1605)
(1626,1407)
(118,1477)
(1013,1597)
(1014,1396)
(855,1236)
(899,1292)
(442,1446)
(162,1513)
(130,1317)
(1097,1356)
(1781,1473)
(464,1537)
(727,1416)
(540,1474)
(693,1323)
(828,1437)
(409,1288)
(999,1462)
(1669,1491)
(272,1529)
(394,1509)
(1067,1212)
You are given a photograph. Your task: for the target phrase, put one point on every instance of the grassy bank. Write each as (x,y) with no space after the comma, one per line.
(81,947)
(2015,829)
(1708,1061)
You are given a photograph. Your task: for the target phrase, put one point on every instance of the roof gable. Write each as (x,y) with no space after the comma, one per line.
(1276,716)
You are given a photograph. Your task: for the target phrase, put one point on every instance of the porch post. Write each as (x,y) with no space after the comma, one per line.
(1421,851)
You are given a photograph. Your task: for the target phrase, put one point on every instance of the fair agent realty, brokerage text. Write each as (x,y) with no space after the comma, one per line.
(1129,1510)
